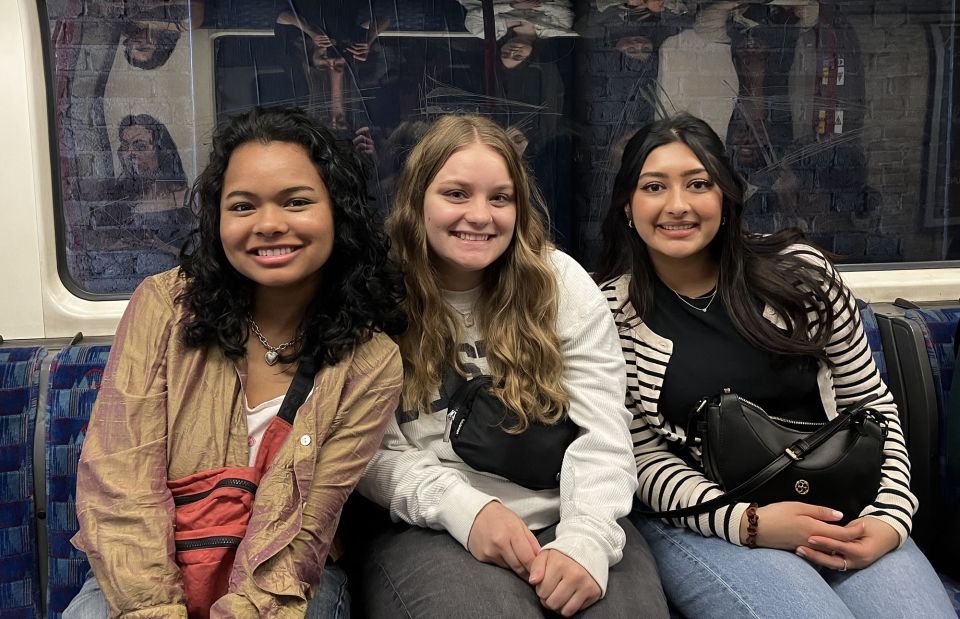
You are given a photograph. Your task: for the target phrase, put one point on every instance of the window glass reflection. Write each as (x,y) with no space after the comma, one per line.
(839,115)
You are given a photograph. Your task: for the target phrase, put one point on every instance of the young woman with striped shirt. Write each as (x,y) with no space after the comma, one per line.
(701,305)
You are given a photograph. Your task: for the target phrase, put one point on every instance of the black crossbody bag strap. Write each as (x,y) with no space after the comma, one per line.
(460,391)
(794,453)
(298,390)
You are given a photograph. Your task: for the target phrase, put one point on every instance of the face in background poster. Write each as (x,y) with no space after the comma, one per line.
(126,138)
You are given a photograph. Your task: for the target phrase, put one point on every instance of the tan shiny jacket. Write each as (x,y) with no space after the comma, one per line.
(166,411)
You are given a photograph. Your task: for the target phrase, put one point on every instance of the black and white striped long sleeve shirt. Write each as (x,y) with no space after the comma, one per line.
(667,482)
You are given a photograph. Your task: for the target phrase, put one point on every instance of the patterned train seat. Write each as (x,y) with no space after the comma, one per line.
(872,330)
(939,327)
(74,382)
(19,392)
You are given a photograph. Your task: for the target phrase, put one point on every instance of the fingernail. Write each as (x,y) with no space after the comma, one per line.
(837,514)
(811,542)
(801,552)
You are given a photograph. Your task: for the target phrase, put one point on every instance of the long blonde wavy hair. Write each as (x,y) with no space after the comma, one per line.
(517,308)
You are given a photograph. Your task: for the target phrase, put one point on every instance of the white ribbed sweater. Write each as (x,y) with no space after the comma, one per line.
(417,475)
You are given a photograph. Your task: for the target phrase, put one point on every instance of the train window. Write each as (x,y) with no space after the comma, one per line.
(841,116)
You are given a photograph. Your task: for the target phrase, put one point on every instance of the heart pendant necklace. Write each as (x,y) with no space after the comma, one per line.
(273,352)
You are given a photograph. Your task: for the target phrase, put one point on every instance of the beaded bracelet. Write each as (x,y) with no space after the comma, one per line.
(752,520)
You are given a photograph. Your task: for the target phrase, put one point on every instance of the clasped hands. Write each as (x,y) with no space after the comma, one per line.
(500,537)
(808,530)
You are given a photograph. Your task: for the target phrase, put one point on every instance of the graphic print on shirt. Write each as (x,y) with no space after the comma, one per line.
(472,357)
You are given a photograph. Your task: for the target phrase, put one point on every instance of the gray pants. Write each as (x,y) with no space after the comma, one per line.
(332,600)
(420,573)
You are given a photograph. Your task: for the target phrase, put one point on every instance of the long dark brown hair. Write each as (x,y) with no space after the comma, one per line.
(800,286)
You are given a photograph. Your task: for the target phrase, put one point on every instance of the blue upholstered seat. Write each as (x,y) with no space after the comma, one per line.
(939,328)
(74,382)
(19,391)
(872,330)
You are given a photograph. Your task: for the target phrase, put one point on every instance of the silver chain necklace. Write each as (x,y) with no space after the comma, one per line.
(273,352)
(712,296)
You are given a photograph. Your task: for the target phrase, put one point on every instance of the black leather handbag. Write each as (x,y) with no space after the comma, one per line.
(755,457)
(476,422)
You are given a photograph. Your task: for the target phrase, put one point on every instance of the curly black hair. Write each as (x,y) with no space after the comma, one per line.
(361,289)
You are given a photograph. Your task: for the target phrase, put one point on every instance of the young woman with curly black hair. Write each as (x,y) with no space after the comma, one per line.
(702,305)
(202,488)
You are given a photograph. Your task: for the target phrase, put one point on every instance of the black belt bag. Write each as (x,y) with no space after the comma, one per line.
(476,420)
(755,457)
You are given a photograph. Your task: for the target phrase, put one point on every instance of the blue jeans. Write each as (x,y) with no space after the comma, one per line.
(332,600)
(710,577)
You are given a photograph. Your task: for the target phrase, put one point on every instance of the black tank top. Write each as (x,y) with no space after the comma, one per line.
(709,354)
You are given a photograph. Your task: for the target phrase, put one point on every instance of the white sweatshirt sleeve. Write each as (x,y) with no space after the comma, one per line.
(420,490)
(599,475)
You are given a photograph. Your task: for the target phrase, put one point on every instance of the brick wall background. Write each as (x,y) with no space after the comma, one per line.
(110,241)
(875,188)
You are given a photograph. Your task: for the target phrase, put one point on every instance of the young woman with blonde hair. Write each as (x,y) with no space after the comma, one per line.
(488,294)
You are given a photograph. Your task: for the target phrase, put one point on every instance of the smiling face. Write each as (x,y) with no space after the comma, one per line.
(676,208)
(276,217)
(469,212)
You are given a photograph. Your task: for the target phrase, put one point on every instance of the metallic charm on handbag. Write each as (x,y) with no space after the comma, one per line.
(756,457)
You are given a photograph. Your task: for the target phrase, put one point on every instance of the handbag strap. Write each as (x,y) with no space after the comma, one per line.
(451,381)
(460,391)
(298,390)
(794,453)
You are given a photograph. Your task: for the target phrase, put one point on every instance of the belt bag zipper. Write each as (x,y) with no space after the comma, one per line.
(215,541)
(229,482)
(795,422)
